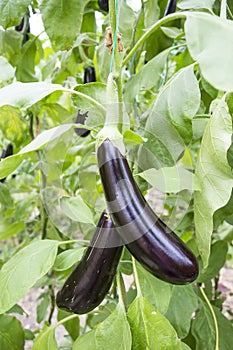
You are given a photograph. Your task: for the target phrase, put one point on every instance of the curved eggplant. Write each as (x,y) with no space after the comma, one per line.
(6,153)
(171,7)
(89,75)
(90,281)
(20,28)
(103,5)
(148,239)
(80,119)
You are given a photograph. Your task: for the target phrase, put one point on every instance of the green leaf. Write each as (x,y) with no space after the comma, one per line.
(25,71)
(213,175)
(149,328)
(149,76)
(70,14)
(217,260)
(153,289)
(95,90)
(8,230)
(68,258)
(22,271)
(85,342)
(169,179)
(10,45)
(210,42)
(9,164)
(24,95)
(114,332)
(183,304)
(5,196)
(131,138)
(6,70)
(203,329)
(10,14)
(42,308)
(76,209)
(12,125)
(169,123)
(46,340)
(11,333)
(195,4)
(126,22)
(72,326)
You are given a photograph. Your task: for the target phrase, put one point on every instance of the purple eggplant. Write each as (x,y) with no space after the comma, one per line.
(147,237)
(80,119)
(90,281)
(103,5)
(6,153)
(89,75)
(171,7)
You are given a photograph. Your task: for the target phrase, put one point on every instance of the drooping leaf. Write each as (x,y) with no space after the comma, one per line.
(169,123)
(217,260)
(183,304)
(85,342)
(21,272)
(169,179)
(195,4)
(24,95)
(11,333)
(213,175)
(6,70)
(42,307)
(203,329)
(25,71)
(149,327)
(8,230)
(68,258)
(114,332)
(210,42)
(76,209)
(46,340)
(70,14)
(148,76)
(10,14)
(154,290)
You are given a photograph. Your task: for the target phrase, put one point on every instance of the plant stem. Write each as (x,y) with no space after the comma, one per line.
(223,11)
(74,241)
(214,318)
(120,289)
(139,292)
(52,296)
(152,29)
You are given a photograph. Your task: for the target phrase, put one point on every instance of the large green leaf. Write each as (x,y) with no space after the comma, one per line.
(213,175)
(69,14)
(195,4)
(21,272)
(9,164)
(11,333)
(150,330)
(147,77)
(86,342)
(46,340)
(154,290)
(10,45)
(182,305)
(68,258)
(24,95)
(169,123)
(114,332)
(203,329)
(25,71)
(169,179)
(76,209)
(8,230)
(6,70)
(210,42)
(12,125)
(10,14)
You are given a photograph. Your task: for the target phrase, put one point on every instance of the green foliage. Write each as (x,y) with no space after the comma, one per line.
(174,120)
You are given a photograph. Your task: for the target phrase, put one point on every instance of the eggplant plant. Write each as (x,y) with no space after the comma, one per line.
(116,187)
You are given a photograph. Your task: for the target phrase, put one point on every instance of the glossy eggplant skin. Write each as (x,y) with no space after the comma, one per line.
(148,239)
(6,153)
(89,75)
(80,119)
(20,27)
(171,7)
(90,281)
(103,5)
